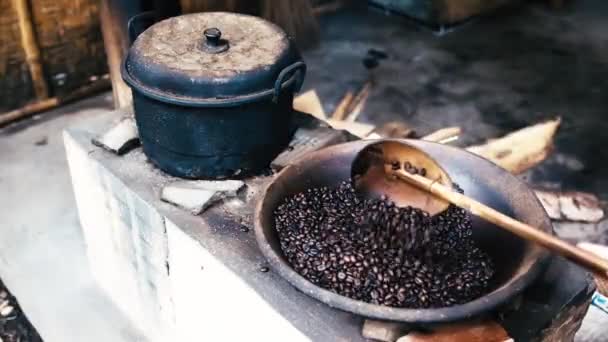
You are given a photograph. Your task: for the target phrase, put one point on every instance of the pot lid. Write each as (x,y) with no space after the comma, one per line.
(209,57)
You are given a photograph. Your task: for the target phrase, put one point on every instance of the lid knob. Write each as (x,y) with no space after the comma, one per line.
(213,42)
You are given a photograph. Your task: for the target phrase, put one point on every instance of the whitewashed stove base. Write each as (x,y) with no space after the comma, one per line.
(180,277)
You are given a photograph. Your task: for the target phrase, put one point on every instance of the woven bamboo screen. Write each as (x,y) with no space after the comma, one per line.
(71,49)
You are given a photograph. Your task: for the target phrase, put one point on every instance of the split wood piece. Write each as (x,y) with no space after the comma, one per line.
(101,84)
(309,102)
(523,230)
(396,130)
(358,103)
(522,149)
(463,332)
(444,135)
(340,111)
(357,129)
(373,136)
(121,138)
(116,43)
(31,48)
(571,206)
(382,330)
(196,196)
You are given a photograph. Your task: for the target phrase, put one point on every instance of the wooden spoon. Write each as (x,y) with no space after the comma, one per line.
(375,173)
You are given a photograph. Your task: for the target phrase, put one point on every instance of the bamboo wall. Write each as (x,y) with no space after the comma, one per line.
(71,49)
(15,83)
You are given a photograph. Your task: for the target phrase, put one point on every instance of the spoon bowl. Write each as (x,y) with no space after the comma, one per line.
(373,175)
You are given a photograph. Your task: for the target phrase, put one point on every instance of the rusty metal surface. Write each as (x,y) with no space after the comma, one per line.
(176,44)
(518,262)
(211,59)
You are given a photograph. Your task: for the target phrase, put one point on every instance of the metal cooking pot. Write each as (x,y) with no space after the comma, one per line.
(212,92)
(517,261)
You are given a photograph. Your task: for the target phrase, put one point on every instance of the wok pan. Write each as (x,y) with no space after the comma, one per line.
(517,262)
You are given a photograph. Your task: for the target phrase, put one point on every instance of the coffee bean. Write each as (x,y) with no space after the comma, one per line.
(374,251)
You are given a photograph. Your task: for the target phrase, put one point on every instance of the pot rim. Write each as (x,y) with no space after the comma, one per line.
(295,80)
(453,313)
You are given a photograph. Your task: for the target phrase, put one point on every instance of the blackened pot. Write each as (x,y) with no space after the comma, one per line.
(212,92)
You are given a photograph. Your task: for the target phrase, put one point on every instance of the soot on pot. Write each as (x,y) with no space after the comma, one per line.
(371,250)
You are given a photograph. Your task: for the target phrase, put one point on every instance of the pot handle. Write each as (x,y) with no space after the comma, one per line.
(139,23)
(297,67)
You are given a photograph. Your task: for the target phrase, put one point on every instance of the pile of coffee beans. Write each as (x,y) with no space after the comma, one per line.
(371,250)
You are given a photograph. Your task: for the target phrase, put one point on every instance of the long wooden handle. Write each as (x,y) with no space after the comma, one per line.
(580,256)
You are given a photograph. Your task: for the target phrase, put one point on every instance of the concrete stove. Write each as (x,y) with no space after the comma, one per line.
(181,277)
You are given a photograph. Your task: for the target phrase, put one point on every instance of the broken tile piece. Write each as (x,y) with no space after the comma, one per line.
(580,206)
(571,206)
(550,202)
(121,138)
(196,196)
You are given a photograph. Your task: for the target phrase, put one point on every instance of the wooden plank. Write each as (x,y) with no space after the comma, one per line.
(116,43)
(571,205)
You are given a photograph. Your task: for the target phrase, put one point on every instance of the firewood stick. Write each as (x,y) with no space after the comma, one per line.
(358,102)
(523,230)
(31,48)
(340,110)
(444,134)
(46,104)
(396,130)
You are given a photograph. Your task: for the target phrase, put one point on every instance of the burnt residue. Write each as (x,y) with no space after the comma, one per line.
(176,43)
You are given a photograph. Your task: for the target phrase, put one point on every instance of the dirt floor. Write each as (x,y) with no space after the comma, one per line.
(14,326)
(489,76)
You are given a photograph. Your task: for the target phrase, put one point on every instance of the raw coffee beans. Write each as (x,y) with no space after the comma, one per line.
(373,251)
